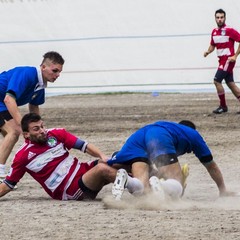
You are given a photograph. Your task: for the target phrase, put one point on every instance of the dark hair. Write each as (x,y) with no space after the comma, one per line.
(188,123)
(220,11)
(29,118)
(53,57)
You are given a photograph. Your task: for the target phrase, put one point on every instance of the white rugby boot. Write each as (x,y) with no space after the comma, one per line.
(119,184)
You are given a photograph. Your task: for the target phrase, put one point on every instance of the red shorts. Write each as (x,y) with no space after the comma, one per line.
(74,192)
(226,65)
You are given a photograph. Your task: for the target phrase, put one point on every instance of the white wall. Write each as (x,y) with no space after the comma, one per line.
(116,45)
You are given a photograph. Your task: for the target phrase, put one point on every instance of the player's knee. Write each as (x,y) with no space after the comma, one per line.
(217,84)
(103,169)
(11,129)
(14,134)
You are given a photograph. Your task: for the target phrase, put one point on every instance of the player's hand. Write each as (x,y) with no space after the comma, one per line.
(205,54)
(104,158)
(232,59)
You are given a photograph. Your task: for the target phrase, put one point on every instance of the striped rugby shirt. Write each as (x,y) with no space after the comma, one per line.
(51,165)
(223,39)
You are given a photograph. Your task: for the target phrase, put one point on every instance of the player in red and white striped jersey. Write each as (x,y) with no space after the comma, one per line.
(223,38)
(45,156)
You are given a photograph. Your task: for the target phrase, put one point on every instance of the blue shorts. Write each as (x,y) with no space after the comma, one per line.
(146,143)
(220,75)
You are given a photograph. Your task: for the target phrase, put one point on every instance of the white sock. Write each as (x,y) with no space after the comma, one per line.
(135,186)
(172,187)
(2,168)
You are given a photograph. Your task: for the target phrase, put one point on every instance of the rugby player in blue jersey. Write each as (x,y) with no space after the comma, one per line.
(157,146)
(20,86)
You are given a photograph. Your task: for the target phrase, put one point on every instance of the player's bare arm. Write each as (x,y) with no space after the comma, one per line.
(216,175)
(234,57)
(95,152)
(4,189)
(210,50)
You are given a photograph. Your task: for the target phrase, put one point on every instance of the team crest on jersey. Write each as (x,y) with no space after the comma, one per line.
(52,142)
(223,32)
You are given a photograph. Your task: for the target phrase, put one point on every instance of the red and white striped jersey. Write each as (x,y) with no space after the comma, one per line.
(51,165)
(223,39)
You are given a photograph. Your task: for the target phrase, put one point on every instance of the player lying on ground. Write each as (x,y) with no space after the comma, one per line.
(45,156)
(159,145)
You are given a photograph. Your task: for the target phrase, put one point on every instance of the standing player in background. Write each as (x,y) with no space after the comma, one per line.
(223,38)
(19,86)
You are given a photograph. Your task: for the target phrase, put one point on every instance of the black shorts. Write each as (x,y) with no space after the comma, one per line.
(220,75)
(5,116)
(138,159)
(164,160)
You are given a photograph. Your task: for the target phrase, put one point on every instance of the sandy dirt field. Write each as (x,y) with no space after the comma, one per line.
(106,121)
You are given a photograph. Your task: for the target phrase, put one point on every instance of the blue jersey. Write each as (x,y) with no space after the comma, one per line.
(25,84)
(163,138)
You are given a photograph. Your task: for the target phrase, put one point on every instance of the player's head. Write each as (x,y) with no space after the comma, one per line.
(51,66)
(54,57)
(220,17)
(33,129)
(188,123)
(221,11)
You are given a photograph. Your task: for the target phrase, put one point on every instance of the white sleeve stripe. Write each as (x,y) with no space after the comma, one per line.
(83,149)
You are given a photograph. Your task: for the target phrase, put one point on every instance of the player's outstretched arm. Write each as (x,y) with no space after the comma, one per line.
(4,189)
(95,152)
(217,177)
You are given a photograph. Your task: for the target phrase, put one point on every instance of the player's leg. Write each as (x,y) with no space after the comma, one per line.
(172,181)
(231,84)
(163,155)
(11,133)
(171,171)
(123,180)
(219,76)
(140,170)
(134,183)
(99,176)
(170,175)
(234,88)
